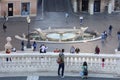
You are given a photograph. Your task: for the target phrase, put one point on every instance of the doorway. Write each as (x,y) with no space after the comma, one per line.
(10,9)
(78,7)
(97,6)
(84,5)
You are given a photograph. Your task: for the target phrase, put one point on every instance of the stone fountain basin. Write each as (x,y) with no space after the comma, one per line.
(61,37)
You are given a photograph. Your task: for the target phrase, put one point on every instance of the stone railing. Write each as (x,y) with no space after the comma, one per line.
(34,61)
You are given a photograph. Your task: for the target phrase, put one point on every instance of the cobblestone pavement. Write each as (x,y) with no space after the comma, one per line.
(97,22)
(55,78)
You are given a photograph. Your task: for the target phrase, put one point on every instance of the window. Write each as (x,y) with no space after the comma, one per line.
(117,5)
(25,9)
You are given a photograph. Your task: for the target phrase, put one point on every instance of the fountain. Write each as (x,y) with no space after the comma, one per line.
(63,35)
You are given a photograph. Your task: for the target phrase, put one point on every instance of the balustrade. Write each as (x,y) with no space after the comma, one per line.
(20,62)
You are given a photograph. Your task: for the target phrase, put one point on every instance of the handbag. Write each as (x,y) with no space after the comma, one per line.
(81,73)
(59,60)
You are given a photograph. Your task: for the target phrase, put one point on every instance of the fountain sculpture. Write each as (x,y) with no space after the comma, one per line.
(8,44)
(63,35)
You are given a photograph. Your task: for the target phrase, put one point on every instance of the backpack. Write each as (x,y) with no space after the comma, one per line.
(60,60)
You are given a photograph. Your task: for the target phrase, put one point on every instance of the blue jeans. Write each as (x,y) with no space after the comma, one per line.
(61,66)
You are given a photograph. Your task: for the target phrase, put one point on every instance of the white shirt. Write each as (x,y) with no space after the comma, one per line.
(81,17)
(43,48)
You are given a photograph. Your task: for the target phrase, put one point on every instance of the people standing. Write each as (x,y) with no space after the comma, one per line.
(13,49)
(8,52)
(56,50)
(77,50)
(43,48)
(97,50)
(103,62)
(72,49)
(110,29)
(34,46)
(85,70)
(61,64)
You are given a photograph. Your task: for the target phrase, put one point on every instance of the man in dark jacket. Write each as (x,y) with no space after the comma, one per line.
(61,63)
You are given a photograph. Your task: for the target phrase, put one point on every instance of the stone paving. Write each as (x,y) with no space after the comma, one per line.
(97,22)
(54,78)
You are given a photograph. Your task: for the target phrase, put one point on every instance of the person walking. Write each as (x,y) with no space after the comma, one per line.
(66,17)
(105,35)
(81,19)
(22,44)
(110,29)
(97,50)
(102,38)
(118,33)
(61,66)
(4,27)
(34,46)
(85,70)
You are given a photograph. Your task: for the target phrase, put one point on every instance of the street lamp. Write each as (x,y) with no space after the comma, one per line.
(28,21)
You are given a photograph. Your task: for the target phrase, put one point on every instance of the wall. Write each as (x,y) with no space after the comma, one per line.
(17,7)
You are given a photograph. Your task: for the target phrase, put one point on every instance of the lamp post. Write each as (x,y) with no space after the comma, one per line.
(28,21)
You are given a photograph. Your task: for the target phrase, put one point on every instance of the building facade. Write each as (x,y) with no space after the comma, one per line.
(29,7)
(18,7)
(93,6)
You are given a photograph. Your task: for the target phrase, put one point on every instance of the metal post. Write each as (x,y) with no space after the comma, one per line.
(28,43)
